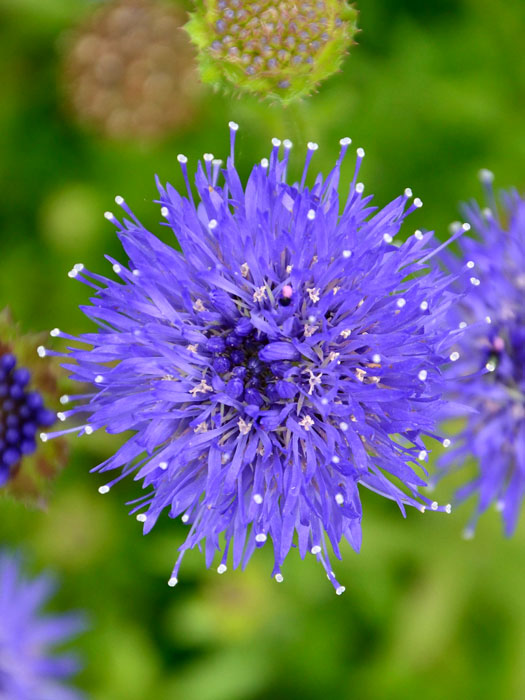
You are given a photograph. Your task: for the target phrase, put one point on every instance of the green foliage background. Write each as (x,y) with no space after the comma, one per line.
(434,91)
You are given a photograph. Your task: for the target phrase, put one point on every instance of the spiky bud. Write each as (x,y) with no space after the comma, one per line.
(277,49)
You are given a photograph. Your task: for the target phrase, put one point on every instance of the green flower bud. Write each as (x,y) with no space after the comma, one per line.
(274,48)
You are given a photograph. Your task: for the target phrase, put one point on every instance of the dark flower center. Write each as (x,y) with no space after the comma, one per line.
(237,361)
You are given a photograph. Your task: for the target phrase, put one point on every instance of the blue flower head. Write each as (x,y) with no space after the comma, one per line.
(24,394)
(22,412)
(492,356)
(29,667)
(290,354)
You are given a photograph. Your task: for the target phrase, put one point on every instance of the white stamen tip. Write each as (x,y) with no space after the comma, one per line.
(340,590)
(163,465)
(446,442)
(422,375)
(454,356)
(109,215)
(222,568)
(422,455)
(468,533)
(208,157)
(213,223)
(279,578)
(490,366)
(257,498)
(408,192)
(339,499)
(54,332)
(119,200)
(343,426)
(117,268)
(311,215)
(470,264)
(434,505)
(311,319)
(312,146)
(173,582)
(387,238)
(64,399)
(347,253)
(463,324)
(424,305)
(287,144)
(500,505)
(88,430)
(346,141)
(335,459)
(61,416)
(376,358)
(488,319)
(43,437)
(185,518)
(261,537)
(486,175)
(136,272)
(276,142)
(233,126)
(99,379)
(448,508)
(103,489)
(264,162)
(164,212)
(418,234)
(78,267)
(400,303)
(360,188)
(142,517)
(315,549)
(418,203)
(41,351)
(360,152)
(182,158)
(466,226)
(72,273)
(475,281)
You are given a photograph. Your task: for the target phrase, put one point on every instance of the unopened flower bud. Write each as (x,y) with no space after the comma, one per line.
(278,49)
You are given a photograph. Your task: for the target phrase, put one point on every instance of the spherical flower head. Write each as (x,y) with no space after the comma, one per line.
(290,353)
(27,388)
(280,50)
(491,350)
(30,668)
(129,70)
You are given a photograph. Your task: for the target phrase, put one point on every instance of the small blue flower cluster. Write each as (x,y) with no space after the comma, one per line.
(22,413)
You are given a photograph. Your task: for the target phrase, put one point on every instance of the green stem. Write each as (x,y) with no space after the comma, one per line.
(295,123)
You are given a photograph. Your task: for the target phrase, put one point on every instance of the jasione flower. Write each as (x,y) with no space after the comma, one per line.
(31,668)
(288,355)
(491,357)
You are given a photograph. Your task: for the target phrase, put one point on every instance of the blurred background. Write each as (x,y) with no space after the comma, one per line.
(434,91)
